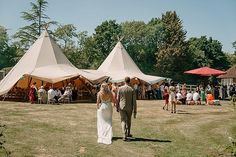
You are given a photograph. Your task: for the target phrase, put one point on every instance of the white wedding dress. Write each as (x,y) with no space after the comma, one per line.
(104,122)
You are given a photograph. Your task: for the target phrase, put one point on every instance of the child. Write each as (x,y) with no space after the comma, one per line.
(172,98)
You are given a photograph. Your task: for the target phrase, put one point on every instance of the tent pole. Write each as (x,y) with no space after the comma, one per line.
(107,80)
(29,82)
(63,84)
(4,97)
(93,96)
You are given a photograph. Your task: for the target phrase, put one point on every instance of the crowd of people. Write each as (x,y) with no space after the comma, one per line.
(147,91)
(53,95)
(144,91)
(201,94)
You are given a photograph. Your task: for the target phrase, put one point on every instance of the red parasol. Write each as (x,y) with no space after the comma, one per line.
(205,71)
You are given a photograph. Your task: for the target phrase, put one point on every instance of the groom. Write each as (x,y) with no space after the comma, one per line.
(126,104)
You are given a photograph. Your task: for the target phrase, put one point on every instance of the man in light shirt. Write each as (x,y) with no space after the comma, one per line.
(189,98)
(57,93)
(196,98)
(179,98)
(51,95)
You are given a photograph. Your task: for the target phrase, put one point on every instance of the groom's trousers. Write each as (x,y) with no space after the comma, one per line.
(125,122)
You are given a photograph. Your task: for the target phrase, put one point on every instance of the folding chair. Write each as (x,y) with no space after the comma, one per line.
(40,98)
(67,99)
(51,101)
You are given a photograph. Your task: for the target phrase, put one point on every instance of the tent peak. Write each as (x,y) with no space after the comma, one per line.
(119,60)
(120,38)
(120,46)
(44,34)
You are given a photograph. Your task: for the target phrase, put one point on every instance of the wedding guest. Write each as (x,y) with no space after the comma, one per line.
(210,98)
(52,95)
(42,95)
(166,97)
(67,94)
(184,93)
(172,98)
(33,93)
(189,98)
(57,94)
(179,98)
(196,98)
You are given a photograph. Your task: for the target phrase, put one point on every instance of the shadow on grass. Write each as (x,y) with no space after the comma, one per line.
(183,112)
(141,139)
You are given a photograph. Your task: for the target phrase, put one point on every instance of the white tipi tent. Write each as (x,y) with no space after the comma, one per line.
(119,64)
(43,61)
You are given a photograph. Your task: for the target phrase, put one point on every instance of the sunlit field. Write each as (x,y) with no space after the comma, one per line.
(69,130)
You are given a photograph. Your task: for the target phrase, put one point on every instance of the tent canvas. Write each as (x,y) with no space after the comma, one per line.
(44,61)
(230,73)
(119,64)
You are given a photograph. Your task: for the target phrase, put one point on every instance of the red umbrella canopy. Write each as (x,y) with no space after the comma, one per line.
(205,71)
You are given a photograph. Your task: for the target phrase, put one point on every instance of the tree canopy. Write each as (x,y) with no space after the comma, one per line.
(172,47)
(234,46)
(37,19)
(207,52)
(141,42)
(7,52)
(106,36)
(158,47)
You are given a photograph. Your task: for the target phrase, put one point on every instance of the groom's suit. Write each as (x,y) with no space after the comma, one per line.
(126,99)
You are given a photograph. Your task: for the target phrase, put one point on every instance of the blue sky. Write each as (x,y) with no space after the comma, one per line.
(215,18)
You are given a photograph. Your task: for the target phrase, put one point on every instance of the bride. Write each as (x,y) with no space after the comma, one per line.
(104,115)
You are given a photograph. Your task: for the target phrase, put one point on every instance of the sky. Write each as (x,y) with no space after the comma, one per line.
(212,18)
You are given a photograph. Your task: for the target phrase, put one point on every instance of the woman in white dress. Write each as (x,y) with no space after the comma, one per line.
(104,115)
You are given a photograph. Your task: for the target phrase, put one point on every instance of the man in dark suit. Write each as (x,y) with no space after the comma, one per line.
(126,104)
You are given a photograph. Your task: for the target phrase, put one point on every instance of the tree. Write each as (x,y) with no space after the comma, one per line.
(7,52)
(65,35)
(85,56)
(79,48)
(171,54)
(37,19)
(89,54)
(234,45)
(106,36)
(135,33)
(140,40)
(231,58)
(207,52)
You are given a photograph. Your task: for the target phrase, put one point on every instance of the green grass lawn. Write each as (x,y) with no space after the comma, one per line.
(69,130)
